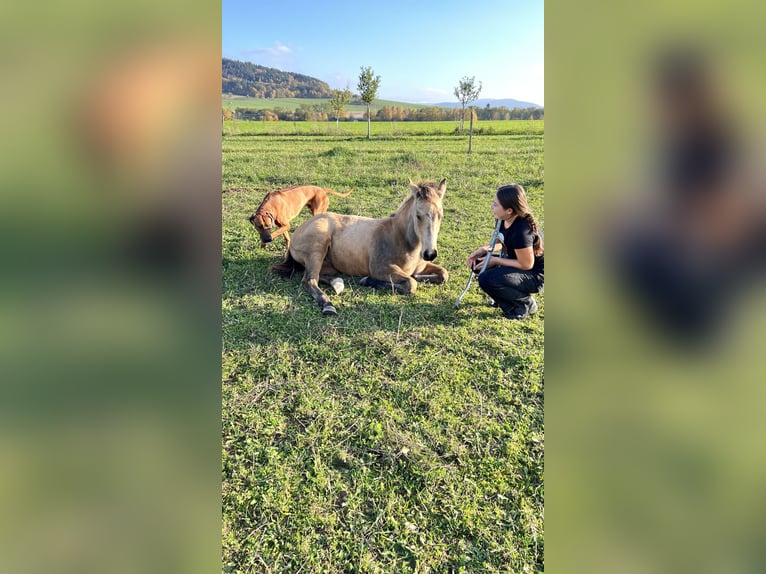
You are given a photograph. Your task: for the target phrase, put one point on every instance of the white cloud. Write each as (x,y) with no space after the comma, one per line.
(278,49)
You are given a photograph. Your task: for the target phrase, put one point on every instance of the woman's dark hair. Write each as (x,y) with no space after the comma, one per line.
(513,197)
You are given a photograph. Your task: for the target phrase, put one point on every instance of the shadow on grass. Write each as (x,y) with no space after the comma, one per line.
(269,310)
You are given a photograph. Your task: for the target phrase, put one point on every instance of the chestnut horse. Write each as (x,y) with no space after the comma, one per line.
(394,252)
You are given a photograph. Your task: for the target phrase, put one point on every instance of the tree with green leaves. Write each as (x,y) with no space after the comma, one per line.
(368,89)
(338,102)
(466,92)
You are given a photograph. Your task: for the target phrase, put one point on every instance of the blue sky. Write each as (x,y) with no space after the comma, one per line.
(419,49)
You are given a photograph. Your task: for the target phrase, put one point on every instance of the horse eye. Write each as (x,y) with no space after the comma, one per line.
(420,218)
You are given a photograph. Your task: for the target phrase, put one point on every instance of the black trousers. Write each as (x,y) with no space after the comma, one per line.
(511,288)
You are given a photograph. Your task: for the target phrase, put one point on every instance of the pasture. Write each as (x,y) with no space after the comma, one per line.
(532,130)
(401,435)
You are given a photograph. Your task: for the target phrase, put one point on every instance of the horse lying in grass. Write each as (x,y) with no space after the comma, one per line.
(394,252)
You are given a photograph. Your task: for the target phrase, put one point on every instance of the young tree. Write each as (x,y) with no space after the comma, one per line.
(466,92)
(470,131)
(368,89)
(338,102)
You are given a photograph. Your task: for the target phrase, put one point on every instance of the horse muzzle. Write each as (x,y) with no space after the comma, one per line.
(429,255)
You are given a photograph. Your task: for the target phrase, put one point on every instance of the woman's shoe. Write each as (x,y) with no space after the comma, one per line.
(532,307)
(523,312)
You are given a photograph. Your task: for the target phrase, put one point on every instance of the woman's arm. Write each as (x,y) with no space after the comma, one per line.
(479,253)
(471,260)
(525,260)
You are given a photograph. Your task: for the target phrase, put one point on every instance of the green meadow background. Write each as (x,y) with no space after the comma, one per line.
(403,434)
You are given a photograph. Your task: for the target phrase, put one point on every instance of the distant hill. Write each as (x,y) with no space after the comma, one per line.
(256,81)
(493,103)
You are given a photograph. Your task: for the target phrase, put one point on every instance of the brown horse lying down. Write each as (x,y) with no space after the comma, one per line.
(283,205)
(393,252)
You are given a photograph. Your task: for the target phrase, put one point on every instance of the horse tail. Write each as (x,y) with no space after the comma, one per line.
(341,194)
(287,267)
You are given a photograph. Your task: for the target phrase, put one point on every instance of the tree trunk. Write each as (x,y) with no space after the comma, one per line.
(462,117)
(368,121)
(470,131)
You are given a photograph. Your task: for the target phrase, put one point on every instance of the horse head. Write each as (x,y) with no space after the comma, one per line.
(426,214)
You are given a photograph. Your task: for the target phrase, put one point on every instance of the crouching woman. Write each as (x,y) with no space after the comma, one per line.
(517,271)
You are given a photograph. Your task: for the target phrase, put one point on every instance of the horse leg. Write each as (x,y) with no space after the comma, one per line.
(333,281)
(311,283)
(398,280)
(432,273)
(312,286)
(328,275)
(368,281)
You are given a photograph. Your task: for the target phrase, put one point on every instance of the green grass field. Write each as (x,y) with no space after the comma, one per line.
(401,435)
(386,130)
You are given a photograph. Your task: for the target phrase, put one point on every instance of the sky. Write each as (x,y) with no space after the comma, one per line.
(420,49)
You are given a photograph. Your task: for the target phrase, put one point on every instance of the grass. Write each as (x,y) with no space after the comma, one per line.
(531,130)
(401,435)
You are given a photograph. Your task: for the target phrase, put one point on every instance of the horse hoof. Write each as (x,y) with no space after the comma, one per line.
(329,310)
(337,285)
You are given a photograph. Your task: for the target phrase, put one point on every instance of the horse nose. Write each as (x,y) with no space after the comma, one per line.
(430,255)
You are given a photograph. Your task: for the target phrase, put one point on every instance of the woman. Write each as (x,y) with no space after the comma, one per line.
(518,270)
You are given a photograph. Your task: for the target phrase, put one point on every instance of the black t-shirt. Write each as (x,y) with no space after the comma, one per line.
(518,236)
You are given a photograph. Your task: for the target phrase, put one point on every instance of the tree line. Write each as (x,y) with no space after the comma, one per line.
(323,112)
(303,113)
(467,91)
(435,114)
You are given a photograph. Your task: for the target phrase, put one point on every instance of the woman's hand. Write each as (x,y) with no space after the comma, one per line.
(493,261)
(471,261)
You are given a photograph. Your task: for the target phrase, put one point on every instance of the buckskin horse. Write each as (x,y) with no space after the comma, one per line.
(394,252)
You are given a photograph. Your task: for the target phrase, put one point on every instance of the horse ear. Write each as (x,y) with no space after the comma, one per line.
(442,187)
(414,188)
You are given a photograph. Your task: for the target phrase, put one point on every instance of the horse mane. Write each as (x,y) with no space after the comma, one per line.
(404,205)
(426,190)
